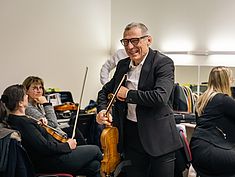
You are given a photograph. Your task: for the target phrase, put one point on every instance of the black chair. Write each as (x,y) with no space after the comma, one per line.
(14,160)
(183,155)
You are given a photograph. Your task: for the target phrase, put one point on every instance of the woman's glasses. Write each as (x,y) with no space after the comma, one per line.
(36,88)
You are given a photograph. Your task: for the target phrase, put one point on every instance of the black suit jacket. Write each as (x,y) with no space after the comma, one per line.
(155,118)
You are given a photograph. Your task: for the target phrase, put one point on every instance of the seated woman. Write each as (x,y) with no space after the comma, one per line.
(39,107)
(46,153)
(213,141)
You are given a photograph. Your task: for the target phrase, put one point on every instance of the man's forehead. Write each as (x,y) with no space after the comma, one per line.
(133,32)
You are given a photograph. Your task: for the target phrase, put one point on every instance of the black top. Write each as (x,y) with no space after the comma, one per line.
(38,143)
(217,123)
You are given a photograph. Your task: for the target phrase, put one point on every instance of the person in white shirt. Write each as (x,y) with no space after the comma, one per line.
(110,64)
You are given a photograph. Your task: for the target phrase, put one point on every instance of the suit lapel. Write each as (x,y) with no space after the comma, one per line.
(124,68)
(146,68)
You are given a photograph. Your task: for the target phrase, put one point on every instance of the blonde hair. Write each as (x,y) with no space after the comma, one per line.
(219,82)
(32,80)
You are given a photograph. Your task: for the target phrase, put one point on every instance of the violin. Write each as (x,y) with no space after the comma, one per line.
(52,131)
(55,134)
(109,141)
(66,106)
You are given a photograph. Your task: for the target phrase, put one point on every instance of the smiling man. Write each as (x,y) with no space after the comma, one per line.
(148,135)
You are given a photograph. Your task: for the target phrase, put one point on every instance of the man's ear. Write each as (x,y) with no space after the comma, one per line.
(150,40)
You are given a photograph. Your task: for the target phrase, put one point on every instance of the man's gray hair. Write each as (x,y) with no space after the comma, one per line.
(143,28)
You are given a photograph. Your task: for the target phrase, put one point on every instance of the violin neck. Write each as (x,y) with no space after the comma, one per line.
(115,95)
(42,123)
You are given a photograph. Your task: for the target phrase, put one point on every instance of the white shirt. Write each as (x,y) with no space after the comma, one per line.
(111,64)
(132,82)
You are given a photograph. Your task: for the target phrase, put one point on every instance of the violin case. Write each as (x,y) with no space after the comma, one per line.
(66,111)
(63,103)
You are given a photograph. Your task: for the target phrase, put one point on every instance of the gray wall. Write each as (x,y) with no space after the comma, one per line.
(182,25)
(57,39)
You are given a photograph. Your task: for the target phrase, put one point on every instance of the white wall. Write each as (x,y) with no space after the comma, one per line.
(56,40)
(182,25)
(179,25)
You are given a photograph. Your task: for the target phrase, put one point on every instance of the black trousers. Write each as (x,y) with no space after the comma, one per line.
(211,160)
(84,160)
(78,135)
(143,164)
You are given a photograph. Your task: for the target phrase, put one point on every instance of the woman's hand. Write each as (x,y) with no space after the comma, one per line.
(72,143)
(42,121)
(41,100)
(101,118)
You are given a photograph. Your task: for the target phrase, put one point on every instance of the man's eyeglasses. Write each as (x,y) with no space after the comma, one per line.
(134,41)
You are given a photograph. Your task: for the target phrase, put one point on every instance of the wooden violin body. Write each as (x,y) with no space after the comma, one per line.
(66,106)
(109,140)
(50,130)
(111,158)
(56,135)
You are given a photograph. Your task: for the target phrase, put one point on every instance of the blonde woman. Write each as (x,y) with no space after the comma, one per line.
(39,108)
(213,141)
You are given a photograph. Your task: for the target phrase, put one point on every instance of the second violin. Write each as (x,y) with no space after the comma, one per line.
(109,141)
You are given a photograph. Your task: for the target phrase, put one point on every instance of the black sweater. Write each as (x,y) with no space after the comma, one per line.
(38,143)
(217,123)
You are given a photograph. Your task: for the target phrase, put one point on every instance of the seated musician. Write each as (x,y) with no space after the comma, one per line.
(213,140)
(47,154)
(38,107)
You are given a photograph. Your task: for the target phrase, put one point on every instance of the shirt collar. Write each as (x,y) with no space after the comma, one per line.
(131,65)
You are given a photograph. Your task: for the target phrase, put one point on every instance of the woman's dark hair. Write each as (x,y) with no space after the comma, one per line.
(10,98)
(3,112)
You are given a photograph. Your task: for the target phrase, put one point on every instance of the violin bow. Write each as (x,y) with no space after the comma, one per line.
(79,104)
(115,94)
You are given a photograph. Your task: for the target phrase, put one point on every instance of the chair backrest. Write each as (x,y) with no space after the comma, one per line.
(183,155)
(14,160)
(187,151)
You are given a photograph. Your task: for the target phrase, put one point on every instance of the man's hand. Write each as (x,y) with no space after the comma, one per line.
(122,93)
(101,118)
